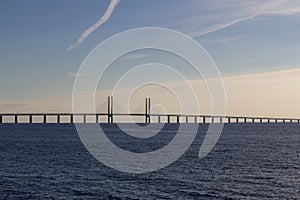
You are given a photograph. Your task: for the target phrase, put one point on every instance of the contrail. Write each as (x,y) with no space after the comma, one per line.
(101,21)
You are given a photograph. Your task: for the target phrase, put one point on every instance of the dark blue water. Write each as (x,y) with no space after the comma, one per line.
(254,161)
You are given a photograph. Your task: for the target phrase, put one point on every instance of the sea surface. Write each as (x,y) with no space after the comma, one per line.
(250,161)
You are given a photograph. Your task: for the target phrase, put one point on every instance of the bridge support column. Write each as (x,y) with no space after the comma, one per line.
(177,119)
(1,121)
(195,120)
(58,119)
(44,119)
(30,119)
(16,118)
(253,120)
(71,119)
(147,110)
(110,109)
(168,119)
(204,120)
(149,107)
(261,120)
(84,119)
(158,119)
(245,120)
(212,120)
(97,119)
(229,120)
(186,119)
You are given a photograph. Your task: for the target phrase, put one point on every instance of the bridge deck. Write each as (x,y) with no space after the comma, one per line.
(146,117)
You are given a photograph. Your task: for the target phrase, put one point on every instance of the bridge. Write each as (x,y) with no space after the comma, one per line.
(148,117)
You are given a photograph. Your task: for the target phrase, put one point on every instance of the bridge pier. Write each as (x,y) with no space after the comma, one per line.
(253,120)
(58,119)
(16,119)
(1,121)
(177,119)
(195,118)
(245,120)
(204,120)
(44,119)
(71,119)
(30,119)
(158,118)
(212,120)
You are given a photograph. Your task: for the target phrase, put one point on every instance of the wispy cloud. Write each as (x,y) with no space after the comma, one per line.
(133,57)
(6,107)
(94,27)
(241,11)
(73,75)
(220,26)
(227,39)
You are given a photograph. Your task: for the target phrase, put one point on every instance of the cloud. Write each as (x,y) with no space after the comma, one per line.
(220,26)
(13,105)
(273,94)
(73,75)
(133,57)
(227,39)
(102,20)
(7,107)
(224,16)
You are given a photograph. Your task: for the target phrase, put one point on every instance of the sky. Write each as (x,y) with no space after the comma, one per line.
(254,43)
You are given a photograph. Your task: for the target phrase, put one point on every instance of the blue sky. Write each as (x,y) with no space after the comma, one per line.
(242,37)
